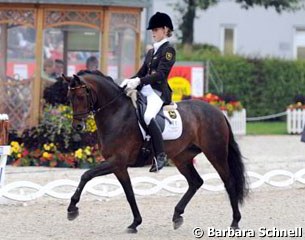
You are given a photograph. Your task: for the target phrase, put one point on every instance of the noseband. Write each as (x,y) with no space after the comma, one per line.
(90,102)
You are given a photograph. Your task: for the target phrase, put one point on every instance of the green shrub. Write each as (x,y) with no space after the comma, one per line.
(264,86)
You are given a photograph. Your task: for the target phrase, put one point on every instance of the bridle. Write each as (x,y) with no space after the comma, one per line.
(81,116)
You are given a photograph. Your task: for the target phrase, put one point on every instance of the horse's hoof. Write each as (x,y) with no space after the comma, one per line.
(131,230)
(177,222)
(72,215)
(234,227)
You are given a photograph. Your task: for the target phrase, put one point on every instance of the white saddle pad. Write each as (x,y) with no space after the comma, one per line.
(173,126)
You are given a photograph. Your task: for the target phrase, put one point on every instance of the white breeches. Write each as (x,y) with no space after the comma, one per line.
(154,103)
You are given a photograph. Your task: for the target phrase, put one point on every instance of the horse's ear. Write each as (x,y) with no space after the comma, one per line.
(76,77)
(67,79)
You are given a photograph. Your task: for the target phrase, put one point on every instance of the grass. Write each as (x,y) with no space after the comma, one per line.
(267,128)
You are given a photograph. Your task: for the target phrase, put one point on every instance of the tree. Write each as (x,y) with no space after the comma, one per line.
(188,10)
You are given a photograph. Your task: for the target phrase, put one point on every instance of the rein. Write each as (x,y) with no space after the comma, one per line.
(107,104)
(91,109)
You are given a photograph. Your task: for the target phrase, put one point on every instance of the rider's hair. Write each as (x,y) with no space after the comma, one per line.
(169,32)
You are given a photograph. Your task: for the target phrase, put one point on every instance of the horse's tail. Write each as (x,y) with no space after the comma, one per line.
(237,167)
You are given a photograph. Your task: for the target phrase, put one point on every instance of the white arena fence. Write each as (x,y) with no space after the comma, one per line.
(238,122)
(105,187)
(295,120)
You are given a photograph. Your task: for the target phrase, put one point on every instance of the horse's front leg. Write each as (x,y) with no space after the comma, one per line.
(123,177)
(102,169)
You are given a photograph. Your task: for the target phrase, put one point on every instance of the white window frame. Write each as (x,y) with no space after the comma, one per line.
(222,36)
(295,43)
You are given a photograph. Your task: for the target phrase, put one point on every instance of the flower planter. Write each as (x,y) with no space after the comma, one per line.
(62,164)
(295,120)
(84,165)
(237,121)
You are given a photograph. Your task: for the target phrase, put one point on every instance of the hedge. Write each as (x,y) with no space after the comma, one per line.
(264,86)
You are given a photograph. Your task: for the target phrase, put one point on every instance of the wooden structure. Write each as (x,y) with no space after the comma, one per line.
(115,23)
(4,125)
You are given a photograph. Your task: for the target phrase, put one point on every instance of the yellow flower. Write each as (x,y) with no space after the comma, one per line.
(79,153)
(14,150)
(46,147)
(62,108)
(90,124)
(15,147)
(15,144)
(299,104)
(90,160)
(45,155)
(19,155)
(88,151)
(230,107)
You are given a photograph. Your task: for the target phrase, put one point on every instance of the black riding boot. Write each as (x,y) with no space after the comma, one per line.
(157,141)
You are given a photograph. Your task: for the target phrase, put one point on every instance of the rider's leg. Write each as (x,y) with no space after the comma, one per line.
(154,104)
(158,145)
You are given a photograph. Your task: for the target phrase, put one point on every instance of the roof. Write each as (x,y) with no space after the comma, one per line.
(129,3)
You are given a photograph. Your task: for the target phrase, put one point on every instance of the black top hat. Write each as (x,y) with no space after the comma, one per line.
(160,20)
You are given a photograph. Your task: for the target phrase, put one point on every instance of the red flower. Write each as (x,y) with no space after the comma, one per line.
(25,153)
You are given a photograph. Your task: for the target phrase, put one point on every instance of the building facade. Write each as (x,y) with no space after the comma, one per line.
(256,32)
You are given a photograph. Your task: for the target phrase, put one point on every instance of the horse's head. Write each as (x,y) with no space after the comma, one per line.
(81,99)
(92,92)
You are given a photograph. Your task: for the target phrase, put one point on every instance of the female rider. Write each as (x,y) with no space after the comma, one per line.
(151,80)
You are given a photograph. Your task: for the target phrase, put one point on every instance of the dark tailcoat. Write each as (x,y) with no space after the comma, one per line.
(156,68)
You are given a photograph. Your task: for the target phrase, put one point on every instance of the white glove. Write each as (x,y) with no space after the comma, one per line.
(124,83)
(133,83)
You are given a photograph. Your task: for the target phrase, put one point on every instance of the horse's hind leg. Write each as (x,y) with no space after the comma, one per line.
(102,169)
(185,165)
(230,187)
(221,165)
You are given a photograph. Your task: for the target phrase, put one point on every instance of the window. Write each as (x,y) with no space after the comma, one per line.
(301,52)
(228,40)
(20,51)
(17,69)
(122,46)
(66,50)
(299,44)
(122,51)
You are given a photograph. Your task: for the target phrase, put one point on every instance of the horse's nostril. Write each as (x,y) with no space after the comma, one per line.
(79,127)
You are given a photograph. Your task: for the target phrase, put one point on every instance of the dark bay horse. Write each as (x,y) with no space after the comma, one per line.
(205,129)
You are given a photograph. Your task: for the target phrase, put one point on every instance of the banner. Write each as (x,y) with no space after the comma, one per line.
(186,81)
